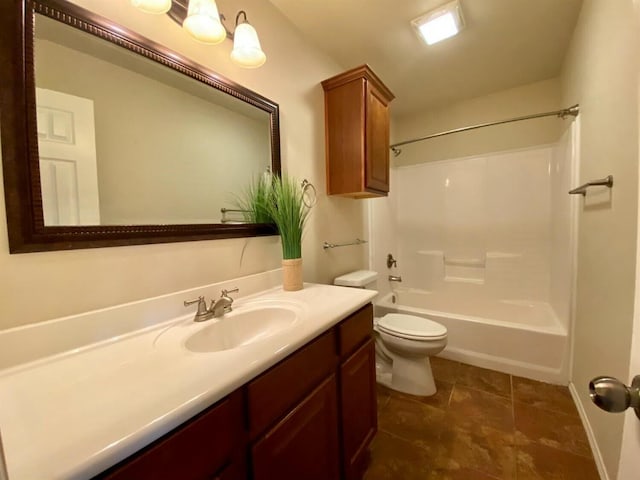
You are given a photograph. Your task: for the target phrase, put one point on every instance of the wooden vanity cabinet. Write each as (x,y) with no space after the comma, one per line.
(358,409)
(357,134)
(272,395)
(326,435)
(293,415)
(304,444)
(357,395)
(310,416)
(211,445)
(237,470)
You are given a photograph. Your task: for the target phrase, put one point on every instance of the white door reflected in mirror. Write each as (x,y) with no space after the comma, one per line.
(68,170)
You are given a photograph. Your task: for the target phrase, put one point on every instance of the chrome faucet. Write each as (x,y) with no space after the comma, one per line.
(216,309)
(203,313)
(395,278)
(223,305)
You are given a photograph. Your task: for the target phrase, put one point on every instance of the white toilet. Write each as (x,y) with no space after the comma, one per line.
(404,344)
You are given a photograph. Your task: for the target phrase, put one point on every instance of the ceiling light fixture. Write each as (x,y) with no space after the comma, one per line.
(204,23)
(439,24)
(152,6)
(247,51)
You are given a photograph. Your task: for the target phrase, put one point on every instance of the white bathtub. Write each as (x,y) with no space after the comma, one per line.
(514,336)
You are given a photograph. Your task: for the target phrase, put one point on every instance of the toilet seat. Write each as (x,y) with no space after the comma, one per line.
(411,327)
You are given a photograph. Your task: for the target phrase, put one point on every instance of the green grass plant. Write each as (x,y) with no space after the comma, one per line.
(279,200)
(255,200)
(290,214)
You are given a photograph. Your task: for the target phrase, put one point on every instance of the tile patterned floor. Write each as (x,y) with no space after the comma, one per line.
(480,425)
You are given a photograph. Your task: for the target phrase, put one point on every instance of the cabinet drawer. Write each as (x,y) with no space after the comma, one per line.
(304,445)
(353,331)
(273,393)
(196,450)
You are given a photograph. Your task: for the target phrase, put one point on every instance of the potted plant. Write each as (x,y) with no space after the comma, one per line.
(279,199)
(254,201)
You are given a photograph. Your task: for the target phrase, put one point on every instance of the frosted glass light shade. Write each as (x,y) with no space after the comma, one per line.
(439,28)
(203,22)
(152,6)
(247,51)
(439,24)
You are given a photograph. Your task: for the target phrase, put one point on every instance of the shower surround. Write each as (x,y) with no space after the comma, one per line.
(484,246)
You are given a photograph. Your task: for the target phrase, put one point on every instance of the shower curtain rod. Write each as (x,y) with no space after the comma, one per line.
(572,110)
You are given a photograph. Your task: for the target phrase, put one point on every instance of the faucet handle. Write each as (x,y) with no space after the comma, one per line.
(202,305)
(225,293)
(226,300)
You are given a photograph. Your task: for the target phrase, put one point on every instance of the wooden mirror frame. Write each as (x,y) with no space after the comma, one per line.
(20,160)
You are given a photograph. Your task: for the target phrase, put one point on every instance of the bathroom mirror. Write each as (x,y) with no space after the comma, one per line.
(110,139)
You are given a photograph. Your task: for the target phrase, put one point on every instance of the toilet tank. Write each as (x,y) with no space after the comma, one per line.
(357,279)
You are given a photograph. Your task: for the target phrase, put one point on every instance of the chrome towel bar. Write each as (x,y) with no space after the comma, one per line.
(327,245)
(582,189)
(225,210)
(225,219)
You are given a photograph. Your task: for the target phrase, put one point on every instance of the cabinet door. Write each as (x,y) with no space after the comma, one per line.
(358,409)
(345,140)
(277,391)
(194,451)
(237,470)
(304,445)
(377,138)
(354,331)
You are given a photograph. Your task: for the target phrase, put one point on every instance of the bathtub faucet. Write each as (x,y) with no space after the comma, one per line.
(395,278)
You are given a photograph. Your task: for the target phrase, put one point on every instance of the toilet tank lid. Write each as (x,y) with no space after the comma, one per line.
(359,278)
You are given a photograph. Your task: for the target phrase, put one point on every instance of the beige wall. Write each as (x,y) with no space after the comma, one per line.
(537,97)
(40,286)
(600,73)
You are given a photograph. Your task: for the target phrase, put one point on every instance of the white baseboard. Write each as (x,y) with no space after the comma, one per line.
(587,427)
(506,365)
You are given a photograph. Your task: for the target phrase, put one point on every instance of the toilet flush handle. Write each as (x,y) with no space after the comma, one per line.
(611,395)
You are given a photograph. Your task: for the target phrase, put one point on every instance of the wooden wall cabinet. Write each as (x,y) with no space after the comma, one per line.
(312,416)
(357,134)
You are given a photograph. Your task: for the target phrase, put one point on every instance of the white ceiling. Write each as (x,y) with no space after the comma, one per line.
(506,43)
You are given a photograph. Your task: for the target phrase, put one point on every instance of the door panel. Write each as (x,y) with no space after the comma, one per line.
(68,168)
(377,158)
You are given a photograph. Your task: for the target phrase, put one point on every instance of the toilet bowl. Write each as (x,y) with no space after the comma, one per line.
(404,344)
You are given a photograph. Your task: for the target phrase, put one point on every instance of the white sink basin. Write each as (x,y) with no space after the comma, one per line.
(241,328)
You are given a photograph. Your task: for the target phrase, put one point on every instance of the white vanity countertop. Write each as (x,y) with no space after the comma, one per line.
(79,412)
